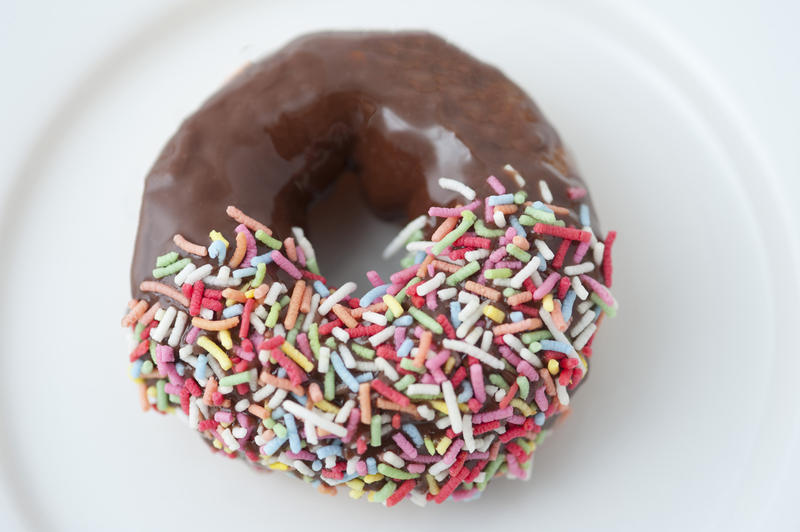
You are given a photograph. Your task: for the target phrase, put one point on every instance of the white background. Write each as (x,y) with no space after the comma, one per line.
(747,51)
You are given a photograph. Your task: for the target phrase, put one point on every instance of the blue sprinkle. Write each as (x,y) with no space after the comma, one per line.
(466,394)
(273,445)
(501,199)
(329,450)
(404,321)
(278,413)
(282,372)
(455,309)
(217,250)
(566,306)
(200,369)
(343,372)
(413,433)
(136,370)
(553,345)
(517,226)
(419,257)
(364,377)
(294,438)
(266,258)
(584,215)
(233,310)
(372,467)
(243,272)
(542,262)
(301,400)
(180,367)
(316,465)
(516,316)
(539,418)
(405,348)
(539,206)
(346,478)
(372,295)
(321,289)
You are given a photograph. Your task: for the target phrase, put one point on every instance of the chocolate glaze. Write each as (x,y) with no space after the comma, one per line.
(399,109)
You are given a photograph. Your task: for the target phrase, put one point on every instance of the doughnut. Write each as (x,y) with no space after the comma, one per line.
(424,386)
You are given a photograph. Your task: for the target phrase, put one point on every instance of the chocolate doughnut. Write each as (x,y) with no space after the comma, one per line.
(424,386)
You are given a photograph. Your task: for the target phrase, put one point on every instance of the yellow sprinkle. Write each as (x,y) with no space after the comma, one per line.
(225,339)
(355,494)
(292,352)
(443,445)
(151,392)
(441,406)
(547,303)
(394,305)
(217,444)
(433,487)
(585,365)
(280,466)
(216,235)
(448,366)
(230,302)
(325,406)
(494,314)
(357,484)
(250,293)
(369,479)
(371,496)
(523,407)
(215,351)
(552,366)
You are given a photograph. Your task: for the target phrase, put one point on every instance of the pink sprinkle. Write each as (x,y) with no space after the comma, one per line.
(394,289)
(404,444)
(509,355)
(488,211)
(375,279)
(496,185)
(511,264)
(513,467)
(497,255)
(575,193)
(540,398)
(421,459)
(223,417)
(361,468)
(416,468)
(476,377)
(510,234)
(251,243)
(243,353)
(172,388)
(527,370)
(405,275)
(444,212)
(352,424)
(164,353)
(478,456)
(302,455)
(285,265)
(516,419)
(438,375)
(493,415)
(428,379)
(599,289)
(399,336)
(460,495)
(430,300)
(301,256)
(452,451)
(437,361)
(546,286)
(580,251)
(305,347)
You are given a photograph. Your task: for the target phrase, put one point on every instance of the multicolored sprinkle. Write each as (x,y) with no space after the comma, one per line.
(424,387)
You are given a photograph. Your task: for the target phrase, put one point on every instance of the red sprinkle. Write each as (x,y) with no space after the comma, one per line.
(473,241)
(562,232)
(244,324)
(447,326)
(365,330)
(558,260)
(401,492)
(390,393)
(326,328)
(197,298)
(608,267)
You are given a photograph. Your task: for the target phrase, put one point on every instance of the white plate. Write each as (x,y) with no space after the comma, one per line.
(688,417)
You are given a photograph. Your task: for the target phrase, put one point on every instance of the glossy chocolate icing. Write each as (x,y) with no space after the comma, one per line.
(399,109)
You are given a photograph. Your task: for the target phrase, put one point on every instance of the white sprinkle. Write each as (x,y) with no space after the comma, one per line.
(158,333)
(476,254)
(598,253)
(577,269)
(518,179)
(224,390)
(426,412)
(447,293)
(203,408)
(351,464)
(257,324)
(582,338)
(378,338)
(469,440)
(311,433)
(177,330)
(159,314)
(486,341)
(364,365)
(277,398)
(263,393)
(304,244)
(347,356)
(501,282)
(419,498)
(180,278)
(442,423)
(422,389)
(584,322)
(340,334)
(499,218)
(469,349)
(324,359)
(469,309)
(525,272)
(457,186)
(215,367)
(393,460)
(330,461)
(419,245)
(397,242)
(584,307)
(302,468)
(387,369)
(309,319)
(344,413)
(558,335)
(439,467)
(580,291)
(466,297)
(374,317)
(474,335)
(544,190)
(544,249)
(278,330)
(239,432)
(342,292)
(561,393)
(194,413)
(313,417)
(206,313)
(241,405)
(274,291)
(229,440)
(470,320)
(431,284)
(516,344)
(199,273)
(499,395)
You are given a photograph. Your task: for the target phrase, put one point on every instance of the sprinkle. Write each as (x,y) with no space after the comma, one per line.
(425,320)
(469,349)
(314,418)
(562,232)
(218,325)
(215,351)
(284,264)
(189,247)
(457,186)
(345,290)
(250,223)
(398,241)
(467,219)
(482,290)
(161,288)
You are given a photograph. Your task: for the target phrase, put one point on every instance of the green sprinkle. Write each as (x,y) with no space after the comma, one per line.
(261,270)
(236,378)
(498,381)
(425,320)
(398,474)
(385,492)
(161,395)
(498,273)
(526,220)
(430,446)
(407,261)
(173,268)
(175,399)
(535,336)
(274,243)
(540,215)
(313,339)
(153,352)
(415,236)
(362,351)
(330,385)
(518,252)
(166,259)
(535,346)
(609,311)
(272,317)
(508,292)
(482,230)
(403,383)
(375,431)
(491,470)
(424,397)
(269,422)
(467,219)
(524,387)
(294,332)
(137,332)
(402,294)
(331,343)
(527,445)
(311,264)
(284,300)
(520,197)
(147,367)
(280,430)
(462,273)
(408,365)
